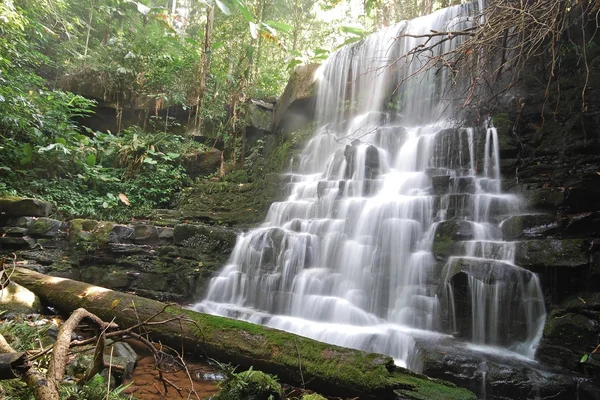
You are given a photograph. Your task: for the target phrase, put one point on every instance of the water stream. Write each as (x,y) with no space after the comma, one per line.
(349,257)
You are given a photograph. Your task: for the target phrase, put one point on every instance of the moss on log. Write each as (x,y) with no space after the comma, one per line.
(326,368)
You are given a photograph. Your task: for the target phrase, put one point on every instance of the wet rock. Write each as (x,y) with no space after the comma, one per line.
(544,198)
(569,253)
(454,145)
(485,270)
(529,226)
(505,377)
(463,184)
(17,207)
(447,234)
(371,161)
(206,238)
(572,330)
(441,184)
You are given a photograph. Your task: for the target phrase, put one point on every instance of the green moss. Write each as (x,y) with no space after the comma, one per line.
(41,226)
(502,123)
(313,396)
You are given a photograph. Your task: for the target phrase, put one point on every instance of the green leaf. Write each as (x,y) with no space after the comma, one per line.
(354,31)
(584,358)
(223,7)
(217,45)
(91,160)
(61,141)
(150,161)
(293,63)
(28,150)
(245,12)
(279,26)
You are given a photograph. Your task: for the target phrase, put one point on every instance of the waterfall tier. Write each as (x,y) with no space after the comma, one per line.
(355,256)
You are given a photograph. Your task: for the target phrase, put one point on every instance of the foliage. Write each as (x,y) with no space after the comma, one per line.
(247,385)
(23,334)
(27,334)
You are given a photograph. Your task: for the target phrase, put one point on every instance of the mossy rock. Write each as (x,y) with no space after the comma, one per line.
(45,227)
(312,396)
(206,238)
(528,225)
(447,234)
(90,233)
(569,253)
(24,207)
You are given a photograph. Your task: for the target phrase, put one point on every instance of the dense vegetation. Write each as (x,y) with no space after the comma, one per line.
(204,57)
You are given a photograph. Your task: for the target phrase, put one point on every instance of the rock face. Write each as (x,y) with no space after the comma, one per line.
(17,207)
(154,261)
(296,106)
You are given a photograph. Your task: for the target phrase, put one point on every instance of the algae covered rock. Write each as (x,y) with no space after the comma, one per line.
(23,207)
(208,239)
(44,227)
(551,253)
(529,225)
(571,330)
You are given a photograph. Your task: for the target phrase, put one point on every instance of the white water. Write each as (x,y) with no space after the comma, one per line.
(347,258)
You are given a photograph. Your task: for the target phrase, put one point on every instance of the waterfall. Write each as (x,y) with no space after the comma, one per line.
(349,257)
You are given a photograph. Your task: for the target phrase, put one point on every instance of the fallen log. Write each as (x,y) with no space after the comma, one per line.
(296,360)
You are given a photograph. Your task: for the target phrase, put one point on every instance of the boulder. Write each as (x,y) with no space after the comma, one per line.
(529,226)
(259,116)
(571,330)
(569,253)
(296,106)
(447,233)
(198,163)
(121,234)
(44,227)
(145,235)
(206,238)
(494,376)
(22,207)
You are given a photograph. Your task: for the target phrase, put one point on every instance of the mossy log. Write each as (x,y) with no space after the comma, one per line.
(325,368)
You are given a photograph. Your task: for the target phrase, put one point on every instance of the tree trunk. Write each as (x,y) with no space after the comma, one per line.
(205,64)
(325,368)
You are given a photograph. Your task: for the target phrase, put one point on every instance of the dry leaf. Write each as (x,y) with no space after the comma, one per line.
(124,199)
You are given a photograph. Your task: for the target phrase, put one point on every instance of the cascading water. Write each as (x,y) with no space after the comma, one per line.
(349,257)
